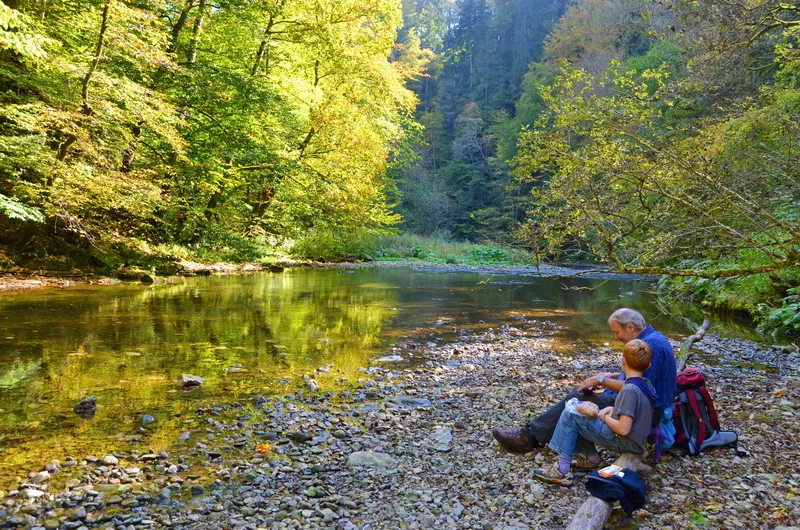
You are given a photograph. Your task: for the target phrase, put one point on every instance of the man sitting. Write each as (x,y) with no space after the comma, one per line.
(626,325)
(622,428)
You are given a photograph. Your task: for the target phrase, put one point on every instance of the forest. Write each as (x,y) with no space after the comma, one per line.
(655,137)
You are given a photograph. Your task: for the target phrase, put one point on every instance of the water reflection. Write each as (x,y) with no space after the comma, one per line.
(128,345)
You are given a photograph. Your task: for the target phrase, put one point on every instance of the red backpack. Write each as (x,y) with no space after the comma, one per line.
(694,416)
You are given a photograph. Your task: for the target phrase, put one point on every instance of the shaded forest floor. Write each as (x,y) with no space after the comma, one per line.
(412,448)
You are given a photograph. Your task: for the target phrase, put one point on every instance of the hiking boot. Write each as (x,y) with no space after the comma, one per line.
(515,440)
(552,475)
(583,464)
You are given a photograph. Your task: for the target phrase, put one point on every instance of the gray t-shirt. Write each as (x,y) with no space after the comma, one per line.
(632,402)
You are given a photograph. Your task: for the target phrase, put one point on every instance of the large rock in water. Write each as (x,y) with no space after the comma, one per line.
(370,459)
(130,274)
(188,381)
(86,408)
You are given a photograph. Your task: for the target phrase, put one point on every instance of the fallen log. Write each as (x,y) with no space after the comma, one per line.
(683,355)
(594,513)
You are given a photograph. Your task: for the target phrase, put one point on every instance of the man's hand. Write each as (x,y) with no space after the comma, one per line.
(588,384)
(605,412)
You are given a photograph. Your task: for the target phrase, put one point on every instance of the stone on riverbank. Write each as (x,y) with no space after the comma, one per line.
(42,476)
(409,401)
(370,459)
(31,493)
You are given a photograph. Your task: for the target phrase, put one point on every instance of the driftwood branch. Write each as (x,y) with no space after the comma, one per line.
(683,356)
(594,512)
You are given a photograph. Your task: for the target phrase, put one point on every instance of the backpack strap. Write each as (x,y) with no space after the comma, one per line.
(703,430)
(712,412)
(681,439)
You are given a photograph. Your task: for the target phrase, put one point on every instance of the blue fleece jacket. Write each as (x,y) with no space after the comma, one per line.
(662,367)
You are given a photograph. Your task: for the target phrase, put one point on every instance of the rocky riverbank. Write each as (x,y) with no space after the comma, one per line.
(411,448)
(18,278)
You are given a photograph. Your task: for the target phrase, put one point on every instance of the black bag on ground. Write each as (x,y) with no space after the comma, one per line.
(695,418)
(627,487)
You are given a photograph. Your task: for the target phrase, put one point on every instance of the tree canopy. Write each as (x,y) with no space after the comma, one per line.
(190,123)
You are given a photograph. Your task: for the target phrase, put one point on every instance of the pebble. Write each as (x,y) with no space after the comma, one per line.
(30,493)
(79,514)
(42,476)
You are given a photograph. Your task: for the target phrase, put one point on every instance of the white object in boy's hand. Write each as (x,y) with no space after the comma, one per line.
(586,408)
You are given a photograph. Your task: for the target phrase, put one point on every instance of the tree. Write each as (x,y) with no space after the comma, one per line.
(650,198)
(191,123)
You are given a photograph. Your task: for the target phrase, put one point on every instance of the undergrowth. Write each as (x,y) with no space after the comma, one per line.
(772,300)
(405,247)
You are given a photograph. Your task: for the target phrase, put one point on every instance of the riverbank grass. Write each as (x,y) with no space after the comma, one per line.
(405,247)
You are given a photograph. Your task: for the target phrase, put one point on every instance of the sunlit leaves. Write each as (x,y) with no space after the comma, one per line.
(14,209)
(17,36)
(285,119)
(617,181)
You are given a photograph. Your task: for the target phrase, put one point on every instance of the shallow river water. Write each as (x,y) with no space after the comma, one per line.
(128,345)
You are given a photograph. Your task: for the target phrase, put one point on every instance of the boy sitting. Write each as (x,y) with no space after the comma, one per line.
(622,428)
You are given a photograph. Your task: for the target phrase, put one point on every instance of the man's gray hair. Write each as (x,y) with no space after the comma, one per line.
(627,316)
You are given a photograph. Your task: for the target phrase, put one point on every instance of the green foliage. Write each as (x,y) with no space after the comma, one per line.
(214,128)
(611,180)
(14,209)
(699,520)
(333,246)
(440,248)
(468,107)
(18,36)
(784,317)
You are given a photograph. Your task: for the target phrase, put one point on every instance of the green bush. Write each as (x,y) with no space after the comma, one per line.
(786,317)
(443,249)
(772,300)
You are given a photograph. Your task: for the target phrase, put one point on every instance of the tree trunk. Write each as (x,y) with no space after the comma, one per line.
(259,210)
(13,4)
(212,203)
(63,148)
(198,28)
(98,53)
(176,29)
(263,49)
(130,151)
(306,141)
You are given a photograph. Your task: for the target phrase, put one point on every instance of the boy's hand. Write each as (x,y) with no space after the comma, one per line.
(605,412)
